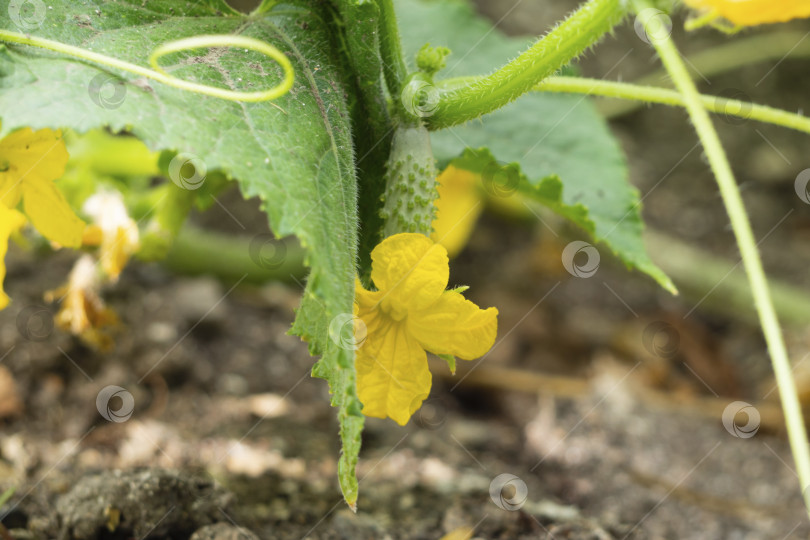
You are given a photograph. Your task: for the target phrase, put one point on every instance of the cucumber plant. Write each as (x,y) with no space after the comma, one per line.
(337,115)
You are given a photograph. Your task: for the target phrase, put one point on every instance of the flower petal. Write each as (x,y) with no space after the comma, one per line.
(120,236)
(83,313)
(31,161)
(363,299)
(411,270)
(454,325)
(38,155)
(51,215)
(753,12)
(10,190)
(392,370)
(457,208)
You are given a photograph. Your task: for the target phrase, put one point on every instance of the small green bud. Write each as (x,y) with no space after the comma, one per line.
(430,60)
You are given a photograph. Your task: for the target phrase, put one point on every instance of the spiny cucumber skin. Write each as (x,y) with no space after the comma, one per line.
(410,183)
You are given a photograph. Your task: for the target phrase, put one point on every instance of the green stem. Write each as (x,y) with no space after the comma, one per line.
(568,40)
(394,68)
(696,272)
(264,7)
(195,252)
(663,96)
(160,75)
(671,59)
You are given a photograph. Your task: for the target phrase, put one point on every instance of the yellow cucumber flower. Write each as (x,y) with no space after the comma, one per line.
(29,163)
(457,208)
(118,232)
(410,313)
(83,312)
(753,12)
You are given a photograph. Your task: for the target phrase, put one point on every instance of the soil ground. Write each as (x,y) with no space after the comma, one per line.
(613,432)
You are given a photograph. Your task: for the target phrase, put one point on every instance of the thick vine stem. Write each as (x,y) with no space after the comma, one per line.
(196,252)
(565,42)
(671,59)
(394,67)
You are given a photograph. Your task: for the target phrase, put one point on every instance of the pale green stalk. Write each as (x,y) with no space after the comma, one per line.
(728,56)
(158,74)
(732,199)
(394,67)
(663,96)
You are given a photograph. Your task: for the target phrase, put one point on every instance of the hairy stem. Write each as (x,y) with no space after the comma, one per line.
(394,67)
(158,74)
(726,57)
(671,59)
(556,49)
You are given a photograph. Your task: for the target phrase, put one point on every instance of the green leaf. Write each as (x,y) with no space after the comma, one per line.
(562,151)
(295,154)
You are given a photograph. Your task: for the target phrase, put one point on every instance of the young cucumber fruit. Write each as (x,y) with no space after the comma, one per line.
(410,187)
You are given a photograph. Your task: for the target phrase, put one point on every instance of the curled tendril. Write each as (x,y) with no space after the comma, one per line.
(160,75)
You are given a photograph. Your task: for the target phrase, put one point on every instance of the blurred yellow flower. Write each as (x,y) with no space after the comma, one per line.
(457,208)
(29,163)
(411,312)
(113,229)
(753,12)
(83,312)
